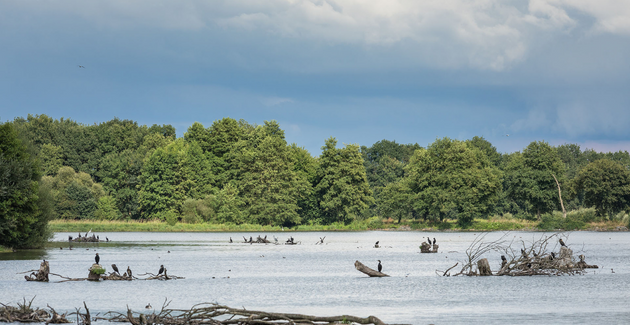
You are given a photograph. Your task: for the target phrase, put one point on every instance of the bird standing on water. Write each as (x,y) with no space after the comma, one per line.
(97,258)
(380,267)
(161,269)
(115,268)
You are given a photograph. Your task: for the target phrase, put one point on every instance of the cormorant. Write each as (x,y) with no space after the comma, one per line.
(377,243)
(129,271)
(115,268)
(230,239)
(553,256)
(97,237)
(69,238)
(106,239)
(503,258)
(429,240)
(97,258)
(251,239)
(562,243)
(523,252)
(148,306)
(161,269)
(434,241)
(380,267)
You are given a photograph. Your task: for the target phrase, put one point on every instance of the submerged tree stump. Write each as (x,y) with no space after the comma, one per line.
(427,248)
(372,273)
(565,259)
(582,264)
(95,272)
(484,267)
(41,275)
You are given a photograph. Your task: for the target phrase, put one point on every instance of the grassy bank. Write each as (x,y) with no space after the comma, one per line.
(5,250)
(550,223)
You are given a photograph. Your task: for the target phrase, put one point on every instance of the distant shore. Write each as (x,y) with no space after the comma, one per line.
(491,224)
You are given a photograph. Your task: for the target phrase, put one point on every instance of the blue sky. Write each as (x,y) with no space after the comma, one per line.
(361,71)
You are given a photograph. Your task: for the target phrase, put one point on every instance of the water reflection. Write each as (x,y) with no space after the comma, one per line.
(321,279)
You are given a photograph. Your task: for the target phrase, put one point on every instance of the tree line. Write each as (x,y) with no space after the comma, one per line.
(236,172)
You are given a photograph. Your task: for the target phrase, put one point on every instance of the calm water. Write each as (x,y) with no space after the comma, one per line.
(322,280)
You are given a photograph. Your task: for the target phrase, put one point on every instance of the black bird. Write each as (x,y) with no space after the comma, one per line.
(553,256)
(97,237)
(380,267)
(161,269)
(69,238)
(535,255)
(97,258)
(115,268)
(79,235)
(523,252)
(106,239)
(433,241)
(503,258)
(230,239)
(377,243)
(251,239)
(429,240)
(129,271)
(562,243)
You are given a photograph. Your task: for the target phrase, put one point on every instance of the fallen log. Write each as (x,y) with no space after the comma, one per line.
(370,272)
(41,275)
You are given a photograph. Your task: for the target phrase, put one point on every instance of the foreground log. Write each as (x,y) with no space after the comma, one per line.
(372,273)
(24,313)
(208,313)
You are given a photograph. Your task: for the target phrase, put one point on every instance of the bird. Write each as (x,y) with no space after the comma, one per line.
(129,272)
(106,239)
(433,241)
(161,269)
(380,267)
(98,237)
(148,306)
(115,268)
(69,238)
(97,258)
(562,243)
(81,67)
(503,258)
(553,255)
(523,252)
(429,240)
(230,239)
(507,135)
(376,245)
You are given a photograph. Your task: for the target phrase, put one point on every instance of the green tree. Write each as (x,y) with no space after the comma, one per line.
(106,209)
(23,213)
(452,179)
(484,145)
(606,186)
(529,177)
(76,194)
(395,201)
(342,188)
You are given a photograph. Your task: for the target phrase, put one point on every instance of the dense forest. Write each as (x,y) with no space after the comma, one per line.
(236,172)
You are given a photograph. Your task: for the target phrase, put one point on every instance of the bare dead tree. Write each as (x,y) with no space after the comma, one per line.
(564,212)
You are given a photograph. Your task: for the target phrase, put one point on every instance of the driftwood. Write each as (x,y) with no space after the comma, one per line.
(426,248)
(41,275)
(372,273)
(531,259)
(24,313)
(208,313)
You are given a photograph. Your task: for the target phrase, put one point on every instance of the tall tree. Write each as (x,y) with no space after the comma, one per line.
(23,222)
(342,187)
(529,177)
(452,179)
(606,186)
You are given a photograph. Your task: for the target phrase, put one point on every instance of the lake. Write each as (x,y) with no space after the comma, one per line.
(321,279)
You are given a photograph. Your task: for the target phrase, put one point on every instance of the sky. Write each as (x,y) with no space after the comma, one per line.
(361,71)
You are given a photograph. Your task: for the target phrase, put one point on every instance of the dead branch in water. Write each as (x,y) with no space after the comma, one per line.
(531,259)
(24,313)
(215,314)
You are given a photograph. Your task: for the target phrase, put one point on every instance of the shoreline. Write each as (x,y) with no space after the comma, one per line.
(493,224)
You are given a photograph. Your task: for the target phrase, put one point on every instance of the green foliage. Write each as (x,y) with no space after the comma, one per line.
(452,180)
(106,209)
(75,194)
(342,188)
(605,185)
(23,213)
(98,270)
(529,177)
(484,145)
(395,201)
(555,221)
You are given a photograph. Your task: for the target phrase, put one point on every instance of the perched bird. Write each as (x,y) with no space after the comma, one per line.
(523,252)
(429,240)
(434,241)
(380,267)
(562,243)
(535,255)
(148,306)
(69,238)
(376,245)
(129,272)
(115,268)
(161,269)
(230,239)
(503,258)
(553,256)
(98,237)
(97,258)
(106,239)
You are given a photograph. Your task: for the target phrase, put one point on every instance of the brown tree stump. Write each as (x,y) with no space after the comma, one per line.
(372,273)
(93,275)
(484,267)
(435,248)
(565,259)
(41,275)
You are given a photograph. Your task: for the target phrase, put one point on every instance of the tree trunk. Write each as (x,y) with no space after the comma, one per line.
(564,212)
(93,276)
(41,275)
(372,273)
(484,267)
